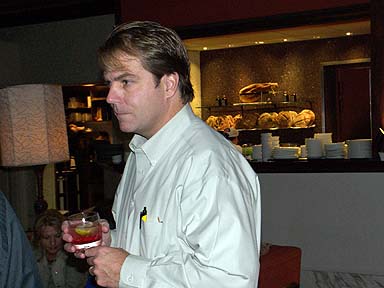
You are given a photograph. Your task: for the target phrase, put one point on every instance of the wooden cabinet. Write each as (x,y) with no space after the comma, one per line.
(89,118)
(86,103)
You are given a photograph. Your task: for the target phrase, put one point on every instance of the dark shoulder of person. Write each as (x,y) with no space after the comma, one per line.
(18,266)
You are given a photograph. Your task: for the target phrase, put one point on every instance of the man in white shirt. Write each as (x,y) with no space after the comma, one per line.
(187,209)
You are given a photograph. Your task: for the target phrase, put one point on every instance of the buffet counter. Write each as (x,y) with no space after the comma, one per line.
(318,166)
(334,218)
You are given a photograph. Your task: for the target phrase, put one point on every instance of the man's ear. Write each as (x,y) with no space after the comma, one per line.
(171,84)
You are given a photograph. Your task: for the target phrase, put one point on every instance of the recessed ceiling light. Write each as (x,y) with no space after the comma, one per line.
(261,42)
(229,45)
(205,48)
(285,40)
(316,37)
(348,33)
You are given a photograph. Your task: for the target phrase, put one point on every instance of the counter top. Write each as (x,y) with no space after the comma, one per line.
(298,166)
(318,166)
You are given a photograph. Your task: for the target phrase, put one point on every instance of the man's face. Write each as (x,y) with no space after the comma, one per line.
(137,101)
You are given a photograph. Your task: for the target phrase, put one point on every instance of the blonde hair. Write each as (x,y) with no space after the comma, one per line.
(51,217)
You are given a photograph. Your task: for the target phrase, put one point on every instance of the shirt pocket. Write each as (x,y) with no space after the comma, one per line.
(151,239)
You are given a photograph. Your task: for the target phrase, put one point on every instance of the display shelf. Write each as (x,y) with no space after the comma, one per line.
(267,105)
(275,104)
(276,128)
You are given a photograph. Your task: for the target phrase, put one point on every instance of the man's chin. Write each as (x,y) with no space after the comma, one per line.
(126,128)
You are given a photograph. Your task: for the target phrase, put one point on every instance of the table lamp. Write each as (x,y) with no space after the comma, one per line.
(33,130)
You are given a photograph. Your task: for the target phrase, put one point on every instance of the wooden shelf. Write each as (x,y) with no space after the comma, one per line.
(261,103)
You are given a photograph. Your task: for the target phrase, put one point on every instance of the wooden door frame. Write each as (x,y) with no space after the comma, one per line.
(323,67)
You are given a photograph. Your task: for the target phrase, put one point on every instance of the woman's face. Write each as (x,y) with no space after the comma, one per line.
(50,240)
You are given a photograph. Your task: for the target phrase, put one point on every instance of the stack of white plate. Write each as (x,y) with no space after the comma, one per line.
(359,148)
(325,138)
(268,142)
(334,150)
(257,152)
(314,148)
(286,152)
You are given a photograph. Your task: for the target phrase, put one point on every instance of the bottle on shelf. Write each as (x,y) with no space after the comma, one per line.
(286,96)
(224,100)
(218,101)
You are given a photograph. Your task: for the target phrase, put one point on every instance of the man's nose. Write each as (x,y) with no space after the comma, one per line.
(112,96)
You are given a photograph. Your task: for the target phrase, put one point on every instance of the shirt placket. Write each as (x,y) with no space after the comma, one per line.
(142,166)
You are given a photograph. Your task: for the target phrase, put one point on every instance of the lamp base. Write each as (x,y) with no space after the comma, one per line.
(40,204)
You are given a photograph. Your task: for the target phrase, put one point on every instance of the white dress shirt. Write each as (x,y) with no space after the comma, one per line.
(202,201)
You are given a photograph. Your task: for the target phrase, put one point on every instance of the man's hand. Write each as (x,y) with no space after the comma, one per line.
(106,264)
(69,247)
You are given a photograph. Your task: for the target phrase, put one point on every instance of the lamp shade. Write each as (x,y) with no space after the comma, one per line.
(32,125)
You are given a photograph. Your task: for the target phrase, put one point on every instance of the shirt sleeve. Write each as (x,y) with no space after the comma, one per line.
(17,266)
(218,235)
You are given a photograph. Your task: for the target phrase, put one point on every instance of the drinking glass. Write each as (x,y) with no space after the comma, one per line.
(85,229)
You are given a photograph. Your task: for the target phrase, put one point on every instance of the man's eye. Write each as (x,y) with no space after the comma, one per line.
(125,82)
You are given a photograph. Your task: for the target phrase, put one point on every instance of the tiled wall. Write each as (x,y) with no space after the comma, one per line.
(295,66)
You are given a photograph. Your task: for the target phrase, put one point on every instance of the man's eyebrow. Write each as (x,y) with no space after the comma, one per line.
(122,76)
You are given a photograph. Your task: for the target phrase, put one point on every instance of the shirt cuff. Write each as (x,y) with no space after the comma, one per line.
(113,237)
(133,272)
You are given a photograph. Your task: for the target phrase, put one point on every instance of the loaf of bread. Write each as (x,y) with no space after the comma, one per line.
(252,92)
(249,98)
(267,120)
(248,121)
(285,119)
(258,87)
(304,119)
(223,122)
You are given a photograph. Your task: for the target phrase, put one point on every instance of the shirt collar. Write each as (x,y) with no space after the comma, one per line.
(171,132)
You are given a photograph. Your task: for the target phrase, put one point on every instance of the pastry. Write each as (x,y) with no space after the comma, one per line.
(285,118)
(304,119)
(248,121)
(267,120)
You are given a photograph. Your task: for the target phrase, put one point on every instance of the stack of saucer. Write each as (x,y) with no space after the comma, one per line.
(359,148)
(257,152)
(314,148)
(325,138)
(286,152)
(334,150)
(268,142)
